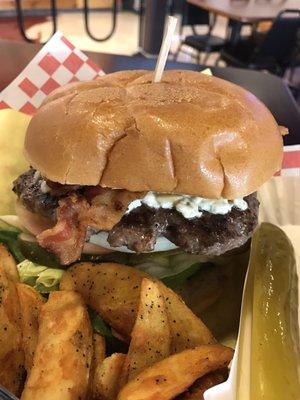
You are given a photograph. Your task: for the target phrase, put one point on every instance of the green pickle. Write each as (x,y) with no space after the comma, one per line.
(275,354)
(35,253)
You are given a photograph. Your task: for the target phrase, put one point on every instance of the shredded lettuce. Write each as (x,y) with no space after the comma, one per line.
(42,278)
(171,267)
(175,282)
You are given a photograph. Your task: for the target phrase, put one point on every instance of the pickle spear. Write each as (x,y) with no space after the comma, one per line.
(275,354)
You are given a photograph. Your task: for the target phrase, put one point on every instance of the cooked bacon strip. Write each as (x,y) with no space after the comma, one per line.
(108,207)
(75,214)
(67,237)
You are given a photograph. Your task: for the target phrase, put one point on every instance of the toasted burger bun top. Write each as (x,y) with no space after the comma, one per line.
(189,134)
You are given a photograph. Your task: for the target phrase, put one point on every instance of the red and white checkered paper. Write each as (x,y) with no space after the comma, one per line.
(55,65)
(59,63)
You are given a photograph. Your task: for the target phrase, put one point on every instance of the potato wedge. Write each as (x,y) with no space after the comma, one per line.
(97,358)
(173,375)
(12,370)
(151,336)
(30,303)
(187,330)
(113,290)
(8,264)
(99,350)
(106,382)
(63,354)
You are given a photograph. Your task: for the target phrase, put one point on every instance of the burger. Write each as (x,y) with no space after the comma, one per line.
(125,164)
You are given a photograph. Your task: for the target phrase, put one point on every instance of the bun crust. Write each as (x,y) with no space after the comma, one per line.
(190,134)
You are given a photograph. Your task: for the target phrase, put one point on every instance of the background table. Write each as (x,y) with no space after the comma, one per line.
(269,88)
(250,11)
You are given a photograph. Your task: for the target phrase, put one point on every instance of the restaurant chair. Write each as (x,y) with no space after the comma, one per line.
(272,51)
(86,15)
(21,21)
(290,76)
(53,11)
(202,43)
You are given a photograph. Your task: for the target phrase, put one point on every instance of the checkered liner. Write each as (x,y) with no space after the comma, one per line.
(59,63)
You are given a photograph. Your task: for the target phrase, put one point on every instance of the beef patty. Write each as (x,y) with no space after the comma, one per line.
(211,234)
(40,196)
(28,188)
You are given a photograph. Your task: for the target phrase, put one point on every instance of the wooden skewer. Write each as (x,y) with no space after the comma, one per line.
(165,48)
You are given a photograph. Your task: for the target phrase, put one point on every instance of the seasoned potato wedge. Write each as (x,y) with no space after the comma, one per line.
(30,303)
(150,337)
(97,359)
(187,330)
(99,350)
(106,382)
(11,351)
(63,354)
(173,375)
(113,290)
(8,264)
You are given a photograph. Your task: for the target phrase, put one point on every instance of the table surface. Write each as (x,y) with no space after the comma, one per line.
(270,89)
(247,10)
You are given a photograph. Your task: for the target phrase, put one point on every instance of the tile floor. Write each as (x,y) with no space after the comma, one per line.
(124,41)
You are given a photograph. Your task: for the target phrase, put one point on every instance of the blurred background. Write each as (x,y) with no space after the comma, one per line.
(255,34)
